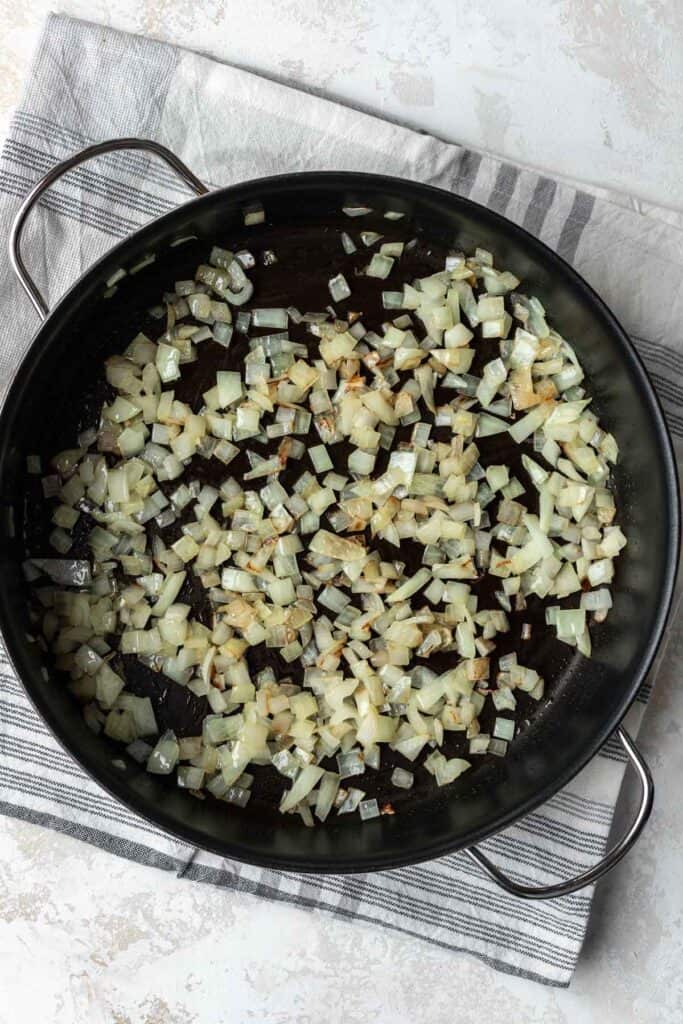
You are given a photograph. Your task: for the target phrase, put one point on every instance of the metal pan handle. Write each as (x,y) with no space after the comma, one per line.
(612,857)
(16,259)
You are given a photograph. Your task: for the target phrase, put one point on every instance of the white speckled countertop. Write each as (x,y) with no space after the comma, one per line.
(584,88)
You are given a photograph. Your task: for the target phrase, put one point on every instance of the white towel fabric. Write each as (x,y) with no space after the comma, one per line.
(90,83)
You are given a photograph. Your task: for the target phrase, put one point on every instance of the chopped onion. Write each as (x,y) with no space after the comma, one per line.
(164,756)
(352,801)
(368,809)
(488,425)
(339,288)
(269,318)
(65,571)
(351,763)
(327,793)
(597,600)
(317,571)
(498,747)
(356,211)
(379,266)
(402,779)
(410,587)
(229,387)
(320,458)
(253,214)
(303,784)
(348,244)
(504,728)
(326,543)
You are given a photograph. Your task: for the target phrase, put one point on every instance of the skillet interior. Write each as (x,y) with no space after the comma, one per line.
(586,698)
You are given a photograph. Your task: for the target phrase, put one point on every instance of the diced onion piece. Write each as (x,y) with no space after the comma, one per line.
(368,809)
(356,211)
(320,458)
(253,214)
(164,756)
(303,784)
(352,801)
(348,244)
(229,387)
(339,288)
(108,686)
(269,318)
(350,763)
(504,729)
(410,587)
(379,266)
(168,362)
(326,543)
(597,600)
(402,779)
(488,425)
(327,793)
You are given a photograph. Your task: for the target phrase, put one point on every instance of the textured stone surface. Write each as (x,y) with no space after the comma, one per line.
(585,89)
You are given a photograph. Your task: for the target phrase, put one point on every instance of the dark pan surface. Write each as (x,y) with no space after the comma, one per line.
(586,698)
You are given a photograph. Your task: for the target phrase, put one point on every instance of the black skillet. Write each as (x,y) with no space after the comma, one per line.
(54,391)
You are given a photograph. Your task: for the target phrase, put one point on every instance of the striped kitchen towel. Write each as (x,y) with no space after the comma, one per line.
(90,83)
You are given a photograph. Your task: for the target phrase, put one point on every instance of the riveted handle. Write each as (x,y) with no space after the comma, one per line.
(16,259)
